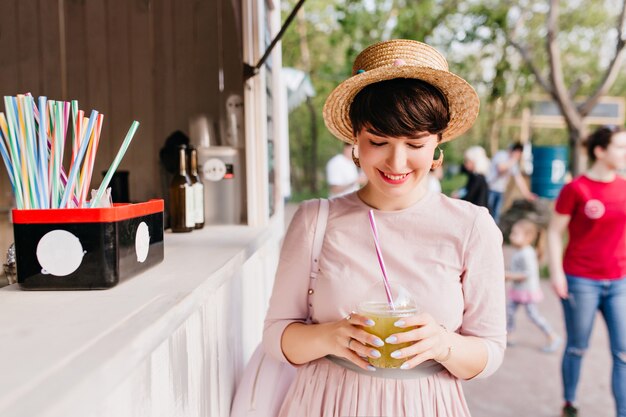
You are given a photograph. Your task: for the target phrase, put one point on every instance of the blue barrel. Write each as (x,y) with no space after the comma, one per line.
(549,169)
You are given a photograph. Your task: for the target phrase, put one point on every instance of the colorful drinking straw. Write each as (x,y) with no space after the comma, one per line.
(15,161)
(118,158)
(32,143)
(25,105)
(89,162)
(16,153)
(7,161)
(43,150)
(49,128)
(71,179)
(381,261)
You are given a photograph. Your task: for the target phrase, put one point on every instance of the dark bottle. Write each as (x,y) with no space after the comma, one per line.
(197,188)
(181,197)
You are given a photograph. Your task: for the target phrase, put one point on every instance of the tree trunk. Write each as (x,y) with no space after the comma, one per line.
(313,170)
(555,86)
(574,146)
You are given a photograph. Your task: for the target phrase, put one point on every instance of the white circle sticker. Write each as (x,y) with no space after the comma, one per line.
(59,253)
(142,242)
(594,209)
(214,169)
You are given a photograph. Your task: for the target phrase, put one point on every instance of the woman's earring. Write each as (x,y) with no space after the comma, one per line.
(437,162)
(355,158)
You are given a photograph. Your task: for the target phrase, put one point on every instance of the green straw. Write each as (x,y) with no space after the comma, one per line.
(115,164)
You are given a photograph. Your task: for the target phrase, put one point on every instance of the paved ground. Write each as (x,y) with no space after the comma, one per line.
(529,383)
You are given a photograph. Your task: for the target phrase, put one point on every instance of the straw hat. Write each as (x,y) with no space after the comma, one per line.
(402,58)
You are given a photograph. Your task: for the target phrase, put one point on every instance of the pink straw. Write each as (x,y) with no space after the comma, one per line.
(381,261)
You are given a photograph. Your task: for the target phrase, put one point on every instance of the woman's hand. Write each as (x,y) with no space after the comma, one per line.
(432,341)
(346,338)
(559,285)
(556,230)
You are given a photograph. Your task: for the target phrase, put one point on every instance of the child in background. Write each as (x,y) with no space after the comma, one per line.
(524,273)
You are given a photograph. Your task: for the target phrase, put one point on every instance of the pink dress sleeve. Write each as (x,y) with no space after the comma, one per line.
(288,303)
(483,291)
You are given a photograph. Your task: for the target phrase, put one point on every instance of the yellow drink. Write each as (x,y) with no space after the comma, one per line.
(384,319)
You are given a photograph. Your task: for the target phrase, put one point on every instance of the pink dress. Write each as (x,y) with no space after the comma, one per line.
(447,252)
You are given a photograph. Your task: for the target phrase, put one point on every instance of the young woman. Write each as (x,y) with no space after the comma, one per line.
(399,105)
(592,275)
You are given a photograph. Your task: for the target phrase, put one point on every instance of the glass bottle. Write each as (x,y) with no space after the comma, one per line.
(197,188)
(181,197)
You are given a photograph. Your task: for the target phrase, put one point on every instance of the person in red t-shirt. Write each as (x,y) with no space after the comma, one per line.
(592,276)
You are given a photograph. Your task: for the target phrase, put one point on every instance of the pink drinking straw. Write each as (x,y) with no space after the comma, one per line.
(381,261)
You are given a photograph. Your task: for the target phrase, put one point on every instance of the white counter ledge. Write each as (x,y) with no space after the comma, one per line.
(168,342)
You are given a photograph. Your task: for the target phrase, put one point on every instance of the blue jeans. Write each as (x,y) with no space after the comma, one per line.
(495,204)
(586,296)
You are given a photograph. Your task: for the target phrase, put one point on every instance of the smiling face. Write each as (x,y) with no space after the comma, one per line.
(395,168)
(397,125)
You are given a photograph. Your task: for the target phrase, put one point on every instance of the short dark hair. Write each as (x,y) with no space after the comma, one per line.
(517,146)
(600,138)
(400,107)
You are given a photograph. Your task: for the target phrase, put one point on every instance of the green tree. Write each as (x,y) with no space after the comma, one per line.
(324,42)
(572,67)
(505,49)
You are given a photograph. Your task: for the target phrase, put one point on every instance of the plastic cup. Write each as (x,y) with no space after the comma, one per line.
(384,318)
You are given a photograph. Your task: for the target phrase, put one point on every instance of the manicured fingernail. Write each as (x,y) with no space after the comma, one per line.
(375,353)
(378,342)
(370,368)
(399,323)
(369,322)
(391,339)
(396,354)
(405,365)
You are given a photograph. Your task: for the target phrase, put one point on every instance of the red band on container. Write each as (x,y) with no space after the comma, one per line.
(88,215)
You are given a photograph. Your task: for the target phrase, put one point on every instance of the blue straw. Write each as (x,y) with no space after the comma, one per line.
(71,179)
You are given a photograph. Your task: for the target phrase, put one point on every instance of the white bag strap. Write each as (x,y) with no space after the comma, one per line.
(318,240)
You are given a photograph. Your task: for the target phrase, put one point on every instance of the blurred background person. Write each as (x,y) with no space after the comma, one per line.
(475,166)
(592,274)
(504,165)
(342,173)
(525,289)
